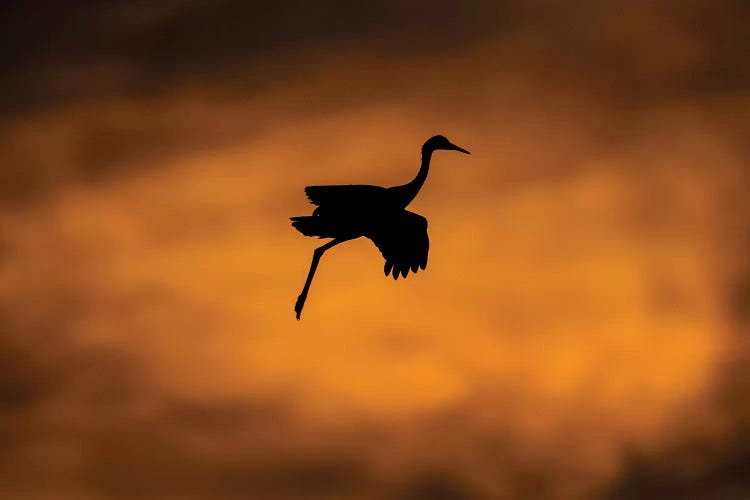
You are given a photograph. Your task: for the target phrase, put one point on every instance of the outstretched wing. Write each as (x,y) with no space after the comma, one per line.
(344,196)
(402,239)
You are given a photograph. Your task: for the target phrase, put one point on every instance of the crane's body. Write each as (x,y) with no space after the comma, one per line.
(346,212)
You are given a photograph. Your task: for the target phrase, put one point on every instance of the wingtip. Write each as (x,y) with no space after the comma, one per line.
(387,268)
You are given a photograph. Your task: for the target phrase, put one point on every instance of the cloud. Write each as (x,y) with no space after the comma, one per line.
(572,334)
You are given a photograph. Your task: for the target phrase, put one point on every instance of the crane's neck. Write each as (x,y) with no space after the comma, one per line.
(409,191)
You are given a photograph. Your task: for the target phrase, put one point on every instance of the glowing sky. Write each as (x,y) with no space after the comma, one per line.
(579,331)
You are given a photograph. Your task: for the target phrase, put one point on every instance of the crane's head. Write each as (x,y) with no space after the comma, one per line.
(441,142)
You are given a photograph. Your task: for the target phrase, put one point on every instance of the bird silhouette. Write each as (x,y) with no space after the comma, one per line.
(346,212)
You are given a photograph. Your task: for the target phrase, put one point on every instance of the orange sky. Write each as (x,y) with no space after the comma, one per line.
(578,332)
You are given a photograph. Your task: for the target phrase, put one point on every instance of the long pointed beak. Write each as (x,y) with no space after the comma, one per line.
(460,149)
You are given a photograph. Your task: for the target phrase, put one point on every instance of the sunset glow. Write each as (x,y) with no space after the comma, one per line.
(580,323)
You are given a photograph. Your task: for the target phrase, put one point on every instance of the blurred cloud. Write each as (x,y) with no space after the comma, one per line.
(580,331)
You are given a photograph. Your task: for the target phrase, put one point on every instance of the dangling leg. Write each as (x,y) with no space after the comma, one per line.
(317,254)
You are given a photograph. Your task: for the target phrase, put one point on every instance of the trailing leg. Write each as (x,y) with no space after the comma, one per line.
(317,254)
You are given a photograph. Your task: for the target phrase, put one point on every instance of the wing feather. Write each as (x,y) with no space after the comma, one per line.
(387,268)
(344,196)
(403,241)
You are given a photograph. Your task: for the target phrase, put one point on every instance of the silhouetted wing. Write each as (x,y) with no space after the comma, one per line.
(403,241)
(348,195)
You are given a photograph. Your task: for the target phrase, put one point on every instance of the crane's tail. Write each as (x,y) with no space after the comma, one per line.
(314,225)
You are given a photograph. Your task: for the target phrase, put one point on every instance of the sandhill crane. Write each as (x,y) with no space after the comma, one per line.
(350,211)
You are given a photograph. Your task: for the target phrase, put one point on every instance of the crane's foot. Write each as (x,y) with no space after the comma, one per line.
(299,305)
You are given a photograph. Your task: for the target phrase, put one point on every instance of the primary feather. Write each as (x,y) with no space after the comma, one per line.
(403,241)
(348,195)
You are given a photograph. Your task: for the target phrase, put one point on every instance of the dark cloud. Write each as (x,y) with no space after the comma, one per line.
(84,52)
(651,50)
(699,469)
